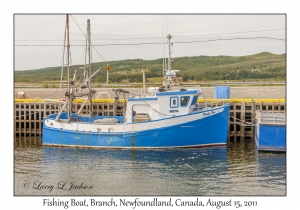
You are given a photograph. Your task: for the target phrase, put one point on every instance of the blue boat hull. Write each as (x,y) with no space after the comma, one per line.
(270,137)
(209,131)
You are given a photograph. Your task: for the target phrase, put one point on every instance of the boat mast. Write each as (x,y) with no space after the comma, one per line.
(86,92)
(87,61)
(68,64)
(88,69)
(69,98)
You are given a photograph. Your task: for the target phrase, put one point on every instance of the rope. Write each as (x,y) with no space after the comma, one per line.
(243,121)
(85,36)
(152,107)
(26,114)
(158,111)
(37,100)
(124,106)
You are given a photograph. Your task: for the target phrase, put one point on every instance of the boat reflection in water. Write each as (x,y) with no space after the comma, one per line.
(236,170)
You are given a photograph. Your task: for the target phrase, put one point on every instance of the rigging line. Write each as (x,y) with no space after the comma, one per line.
(242,32)
(148,33)
(276,29)
(86,37)
(70,57)
(231,29)
(162,34)
(172,32)
(158,37)
(235,16)
(167,25)
(202,19)
(62,66)
(166,32)
(233,39)
(83,54)
(153,43)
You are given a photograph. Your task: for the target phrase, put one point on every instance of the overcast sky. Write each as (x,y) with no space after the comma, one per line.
(38,39)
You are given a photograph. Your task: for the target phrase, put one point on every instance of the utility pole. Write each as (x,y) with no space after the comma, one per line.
(144,83)
(107,72)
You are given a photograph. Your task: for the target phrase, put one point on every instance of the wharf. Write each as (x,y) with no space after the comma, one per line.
(29,113)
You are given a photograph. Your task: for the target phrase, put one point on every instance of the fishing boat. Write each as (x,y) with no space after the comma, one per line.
(166,117)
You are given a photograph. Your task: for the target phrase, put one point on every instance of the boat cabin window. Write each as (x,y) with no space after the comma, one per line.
(194,100)
(174,102)
(184,100)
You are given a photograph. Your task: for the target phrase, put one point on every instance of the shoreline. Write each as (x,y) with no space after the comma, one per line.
(272,92)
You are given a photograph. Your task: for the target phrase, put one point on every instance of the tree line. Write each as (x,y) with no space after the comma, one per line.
(259,66)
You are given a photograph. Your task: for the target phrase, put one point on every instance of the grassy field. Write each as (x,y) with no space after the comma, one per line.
(258,67)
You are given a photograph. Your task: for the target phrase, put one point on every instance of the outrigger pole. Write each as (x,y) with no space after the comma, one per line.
(72,91)
(68,104)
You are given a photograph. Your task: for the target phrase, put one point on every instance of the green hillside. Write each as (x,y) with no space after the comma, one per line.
(198,68)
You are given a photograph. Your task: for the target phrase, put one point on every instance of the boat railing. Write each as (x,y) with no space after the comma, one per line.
(103,95)
(187,87)
(201,106)
(271,118)
(135,92)
(54,105)
(216,104)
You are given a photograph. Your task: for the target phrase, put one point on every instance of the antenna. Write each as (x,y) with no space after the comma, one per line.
(169,60)
(170,74)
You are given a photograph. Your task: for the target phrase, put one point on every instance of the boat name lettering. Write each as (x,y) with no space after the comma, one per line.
(207,113)
(173,111)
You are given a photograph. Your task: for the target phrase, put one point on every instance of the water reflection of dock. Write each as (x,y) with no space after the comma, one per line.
(234,170)
(28,114)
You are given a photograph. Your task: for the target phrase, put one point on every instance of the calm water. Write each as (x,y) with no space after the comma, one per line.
(234,170)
